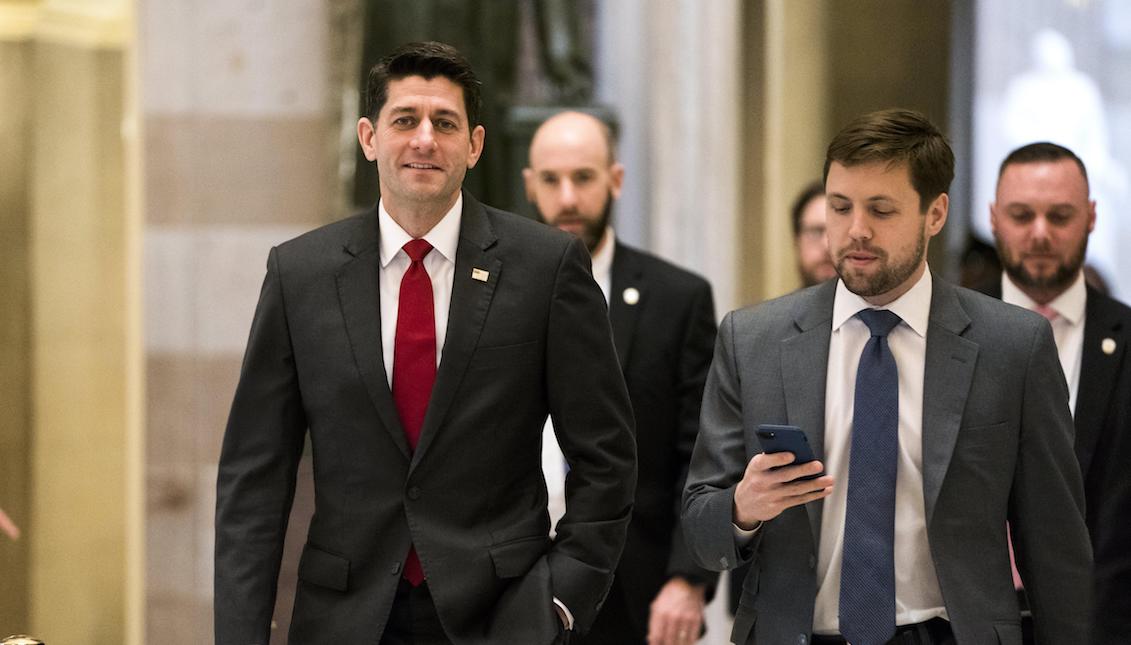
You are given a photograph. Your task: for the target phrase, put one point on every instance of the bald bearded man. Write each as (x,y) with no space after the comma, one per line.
(663,323)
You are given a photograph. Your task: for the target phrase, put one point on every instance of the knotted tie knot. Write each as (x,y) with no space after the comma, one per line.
(880,321)
(417,249)
(1048,312)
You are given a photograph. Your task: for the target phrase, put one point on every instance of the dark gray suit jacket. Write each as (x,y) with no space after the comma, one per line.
(997,446)
(1103,448)
(532,339)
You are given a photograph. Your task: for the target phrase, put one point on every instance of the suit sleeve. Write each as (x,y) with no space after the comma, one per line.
(717,464)
(1051,542)
(262,446)
(694,361)
(593,421)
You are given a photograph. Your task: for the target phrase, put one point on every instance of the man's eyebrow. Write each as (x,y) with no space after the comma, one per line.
(872,198)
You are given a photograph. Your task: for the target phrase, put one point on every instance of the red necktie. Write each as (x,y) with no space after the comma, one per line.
(414,361)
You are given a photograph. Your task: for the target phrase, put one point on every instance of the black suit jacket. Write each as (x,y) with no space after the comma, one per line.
(1103,447)
(664,340)
(531,339)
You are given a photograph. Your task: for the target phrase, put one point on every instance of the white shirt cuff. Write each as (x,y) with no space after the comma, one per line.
(742,537)
(568,614)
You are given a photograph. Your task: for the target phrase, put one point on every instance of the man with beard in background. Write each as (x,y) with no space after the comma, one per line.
(663,323)
(1041,220)
(808,216)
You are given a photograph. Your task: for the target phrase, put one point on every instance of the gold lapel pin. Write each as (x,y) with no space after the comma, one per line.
(631,296)
(480,275)
(1108,345)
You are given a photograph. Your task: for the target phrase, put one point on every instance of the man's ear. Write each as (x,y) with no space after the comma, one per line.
(616,179)
(936,214)
(528,179)
(477,137)
(365,136)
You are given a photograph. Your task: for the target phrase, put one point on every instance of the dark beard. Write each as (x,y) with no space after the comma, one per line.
(593,232)
(888,278)
(1060,279)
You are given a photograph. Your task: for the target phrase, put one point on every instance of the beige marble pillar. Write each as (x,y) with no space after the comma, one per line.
(16,30)
(671,70)
(82,533)
(240,145)
(789,142)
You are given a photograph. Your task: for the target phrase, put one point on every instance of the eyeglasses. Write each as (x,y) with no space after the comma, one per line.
(812,233)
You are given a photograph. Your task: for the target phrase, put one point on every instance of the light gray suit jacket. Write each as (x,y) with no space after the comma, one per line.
(997,446)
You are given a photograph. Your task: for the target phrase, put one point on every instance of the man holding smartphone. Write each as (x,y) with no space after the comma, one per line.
(942,415)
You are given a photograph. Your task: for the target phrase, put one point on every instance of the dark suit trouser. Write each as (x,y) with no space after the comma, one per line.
(413,619)
(613,625)
(933,632)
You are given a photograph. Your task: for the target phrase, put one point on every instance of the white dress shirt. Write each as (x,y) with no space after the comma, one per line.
(553,461)
(1067,328)
(440,264)
(603,262)
(917,594)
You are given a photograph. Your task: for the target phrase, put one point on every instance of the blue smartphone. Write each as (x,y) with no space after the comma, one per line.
(779,438)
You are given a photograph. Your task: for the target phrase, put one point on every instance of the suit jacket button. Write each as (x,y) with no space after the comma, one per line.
(396,568)
(414,493)
(801,639)
(812,561)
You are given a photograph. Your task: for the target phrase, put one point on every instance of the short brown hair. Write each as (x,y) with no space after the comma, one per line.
(1041,151)
(897,136)
(429,60)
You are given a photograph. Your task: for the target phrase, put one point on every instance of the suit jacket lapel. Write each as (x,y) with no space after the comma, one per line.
(626,273)
(360,299)
(471,299)
(948,373)
(805,359)
(1098,370)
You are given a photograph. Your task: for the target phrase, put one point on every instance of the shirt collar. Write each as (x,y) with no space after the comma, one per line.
(603,258)
(444,236)
(1068,305)
(913,307)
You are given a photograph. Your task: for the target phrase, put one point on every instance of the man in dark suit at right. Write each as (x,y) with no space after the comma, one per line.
(1041,219)
(663,321)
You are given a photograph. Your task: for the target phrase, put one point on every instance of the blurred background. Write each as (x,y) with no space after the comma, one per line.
(152,151)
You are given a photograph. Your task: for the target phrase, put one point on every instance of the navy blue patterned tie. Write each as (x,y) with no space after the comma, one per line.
(867,577)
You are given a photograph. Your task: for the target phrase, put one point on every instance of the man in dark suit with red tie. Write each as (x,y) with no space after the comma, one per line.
(421,346)
(1041,219)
